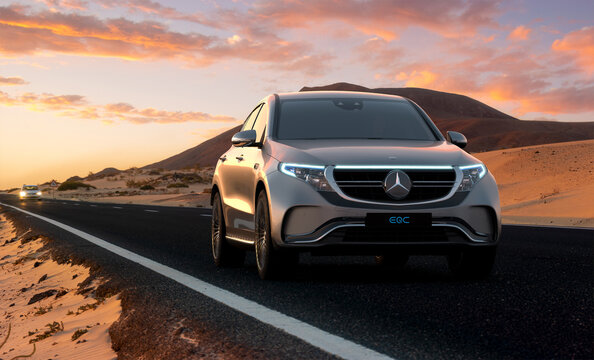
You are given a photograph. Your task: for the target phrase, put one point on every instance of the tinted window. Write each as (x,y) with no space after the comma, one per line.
(260,125)
(30,187)
(349,118)
(249,122)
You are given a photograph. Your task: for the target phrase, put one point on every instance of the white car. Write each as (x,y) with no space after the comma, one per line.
(30,192)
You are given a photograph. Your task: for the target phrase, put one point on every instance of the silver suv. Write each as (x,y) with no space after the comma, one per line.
(351,173)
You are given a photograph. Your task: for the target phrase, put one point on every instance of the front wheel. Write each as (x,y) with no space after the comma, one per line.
(271,262)
(223,254)
(475,263)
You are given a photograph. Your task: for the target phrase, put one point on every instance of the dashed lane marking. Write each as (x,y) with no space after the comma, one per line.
(149,210)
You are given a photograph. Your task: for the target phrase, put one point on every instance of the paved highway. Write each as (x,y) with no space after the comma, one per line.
(537,304)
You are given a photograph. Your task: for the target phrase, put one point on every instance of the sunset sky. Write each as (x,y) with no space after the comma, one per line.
(90,84)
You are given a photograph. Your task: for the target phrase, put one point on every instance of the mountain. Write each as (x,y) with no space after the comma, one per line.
(485,127)
(205,154)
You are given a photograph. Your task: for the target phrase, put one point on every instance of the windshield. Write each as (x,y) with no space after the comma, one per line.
(351,118)
(30,187)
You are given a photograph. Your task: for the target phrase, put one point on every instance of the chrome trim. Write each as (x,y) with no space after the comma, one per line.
(329,174)
(232,238)
(393,167)
(326,233)
(462,229)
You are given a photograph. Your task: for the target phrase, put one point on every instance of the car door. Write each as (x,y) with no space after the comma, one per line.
(233,186)
(249,161)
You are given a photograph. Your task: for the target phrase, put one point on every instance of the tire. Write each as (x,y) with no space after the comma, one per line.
(223,253)
(271,262)
(474,263)
(392,261)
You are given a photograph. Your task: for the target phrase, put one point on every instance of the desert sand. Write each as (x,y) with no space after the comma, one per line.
(114,189)
(66,324)
(549,184)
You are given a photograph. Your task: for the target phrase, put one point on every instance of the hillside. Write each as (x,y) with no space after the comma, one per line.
(485,127)
(205,154)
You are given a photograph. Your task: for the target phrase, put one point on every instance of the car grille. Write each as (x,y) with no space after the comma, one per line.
(365,184)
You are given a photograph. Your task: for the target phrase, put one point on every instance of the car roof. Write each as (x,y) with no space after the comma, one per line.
(338,94)
(29,185)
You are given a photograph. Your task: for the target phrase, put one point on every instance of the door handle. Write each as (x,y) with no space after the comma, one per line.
(223,158)
(239,158)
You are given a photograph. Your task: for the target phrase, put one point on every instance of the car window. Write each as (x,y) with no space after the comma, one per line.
(249,122)
(351,118)
(30,187)
(261,121)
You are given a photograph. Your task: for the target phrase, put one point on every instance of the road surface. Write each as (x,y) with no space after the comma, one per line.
(537,304)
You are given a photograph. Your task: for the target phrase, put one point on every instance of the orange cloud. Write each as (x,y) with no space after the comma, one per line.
(423,78)
(385,19)
(580,45)
(24,33)
(67,4)
(520,33)
(15,80)
(76,106)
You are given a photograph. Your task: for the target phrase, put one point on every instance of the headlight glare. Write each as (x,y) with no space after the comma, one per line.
(311,174)
(39,193)
(22,193)
(471,175)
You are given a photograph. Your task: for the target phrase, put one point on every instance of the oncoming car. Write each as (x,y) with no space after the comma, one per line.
(30,192)
(351,173)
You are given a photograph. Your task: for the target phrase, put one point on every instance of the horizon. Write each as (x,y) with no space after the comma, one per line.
(90,85)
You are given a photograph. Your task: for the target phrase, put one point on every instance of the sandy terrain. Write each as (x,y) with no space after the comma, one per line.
(114,189)
(545,184)
(66,324)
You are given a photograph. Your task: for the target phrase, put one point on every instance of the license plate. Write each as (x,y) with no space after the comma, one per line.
(398,220)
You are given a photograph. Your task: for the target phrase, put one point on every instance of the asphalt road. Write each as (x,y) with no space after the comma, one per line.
(537,304)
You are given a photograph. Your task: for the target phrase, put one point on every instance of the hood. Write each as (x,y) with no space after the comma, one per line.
(369,152)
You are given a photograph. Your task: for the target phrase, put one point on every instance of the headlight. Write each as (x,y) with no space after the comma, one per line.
(22,193)
(471,175)
(311,174)
(39,193)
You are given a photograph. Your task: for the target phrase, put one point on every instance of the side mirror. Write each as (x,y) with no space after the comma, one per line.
(244,138)
(456,138)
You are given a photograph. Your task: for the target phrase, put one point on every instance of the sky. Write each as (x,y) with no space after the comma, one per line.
(89,84)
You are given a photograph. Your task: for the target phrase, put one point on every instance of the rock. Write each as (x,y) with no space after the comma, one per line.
(43,278)
(41,296)
(61,293)
(37,263)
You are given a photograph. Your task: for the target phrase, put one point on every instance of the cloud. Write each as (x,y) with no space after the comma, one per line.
(519,33)
(76,106)
(516,75)
(65,4)
(579,45)
(15,80)
(422,78)
(25,33)
(381,18)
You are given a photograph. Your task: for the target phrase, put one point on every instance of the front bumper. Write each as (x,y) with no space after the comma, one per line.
(29,196)
(304,219)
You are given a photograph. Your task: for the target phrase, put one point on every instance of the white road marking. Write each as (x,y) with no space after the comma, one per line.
(76,204)
(205,214)
(148,210)
(117,207)
(63,203)
(93,205)
(332,344)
